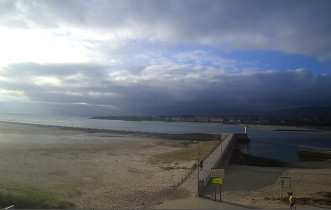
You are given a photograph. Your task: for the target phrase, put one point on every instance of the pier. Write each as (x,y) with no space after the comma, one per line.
(219,158)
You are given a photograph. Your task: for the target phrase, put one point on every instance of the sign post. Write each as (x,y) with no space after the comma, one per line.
(217,175)
(215,191)
(220,192)
(285,184)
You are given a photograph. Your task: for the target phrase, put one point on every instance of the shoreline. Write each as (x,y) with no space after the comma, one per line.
(167,136)
(298,127)
(275,128)
(289,128)
(179,136)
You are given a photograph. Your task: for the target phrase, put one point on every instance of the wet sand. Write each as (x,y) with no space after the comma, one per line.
(92,170)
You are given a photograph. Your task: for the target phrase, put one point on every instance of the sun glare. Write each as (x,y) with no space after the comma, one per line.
(11,95)
(39,46)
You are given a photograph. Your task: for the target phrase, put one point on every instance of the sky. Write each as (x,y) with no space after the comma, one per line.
(153,57)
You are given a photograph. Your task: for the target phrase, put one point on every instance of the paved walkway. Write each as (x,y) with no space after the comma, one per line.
(198,203)
(191,182)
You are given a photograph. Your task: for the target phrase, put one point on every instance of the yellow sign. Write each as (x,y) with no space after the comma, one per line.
(217,180)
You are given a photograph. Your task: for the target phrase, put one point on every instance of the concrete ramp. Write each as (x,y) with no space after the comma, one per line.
(221,156)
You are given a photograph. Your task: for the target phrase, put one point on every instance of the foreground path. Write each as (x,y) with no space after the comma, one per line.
(198,203)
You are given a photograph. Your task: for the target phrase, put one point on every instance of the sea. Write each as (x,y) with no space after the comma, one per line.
(280,145)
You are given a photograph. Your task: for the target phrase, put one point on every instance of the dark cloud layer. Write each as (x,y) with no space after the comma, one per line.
(260,91)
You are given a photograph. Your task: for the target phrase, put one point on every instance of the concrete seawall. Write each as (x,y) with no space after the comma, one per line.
(219,158)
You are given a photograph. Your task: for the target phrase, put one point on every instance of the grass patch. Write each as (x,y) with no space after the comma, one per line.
(61,187)
(186,154)
(30,198)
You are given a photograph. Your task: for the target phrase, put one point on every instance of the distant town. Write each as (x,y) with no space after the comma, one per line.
(286,118)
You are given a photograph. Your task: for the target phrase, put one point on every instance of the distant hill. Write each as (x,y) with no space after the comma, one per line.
(313,112)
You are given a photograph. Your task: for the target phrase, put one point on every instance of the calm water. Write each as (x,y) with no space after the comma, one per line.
(279,145)
(283,145)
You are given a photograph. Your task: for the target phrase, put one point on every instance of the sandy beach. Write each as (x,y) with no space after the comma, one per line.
(92,170)
(109,170)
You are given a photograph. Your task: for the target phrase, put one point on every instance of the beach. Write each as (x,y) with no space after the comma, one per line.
(91,170)
(113,170)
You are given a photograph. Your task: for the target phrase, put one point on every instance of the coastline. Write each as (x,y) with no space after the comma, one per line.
(180,136)
(188,136)
(288,128)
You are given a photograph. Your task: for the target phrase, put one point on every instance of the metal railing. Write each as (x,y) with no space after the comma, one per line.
(189,182)
(223,146)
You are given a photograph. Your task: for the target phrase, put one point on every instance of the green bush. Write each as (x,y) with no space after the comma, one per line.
(29,199)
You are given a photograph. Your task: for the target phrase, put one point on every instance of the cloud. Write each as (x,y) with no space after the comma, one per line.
(299,27)
(125,56)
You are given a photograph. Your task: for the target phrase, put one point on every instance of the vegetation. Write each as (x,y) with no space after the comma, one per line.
(30,198)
